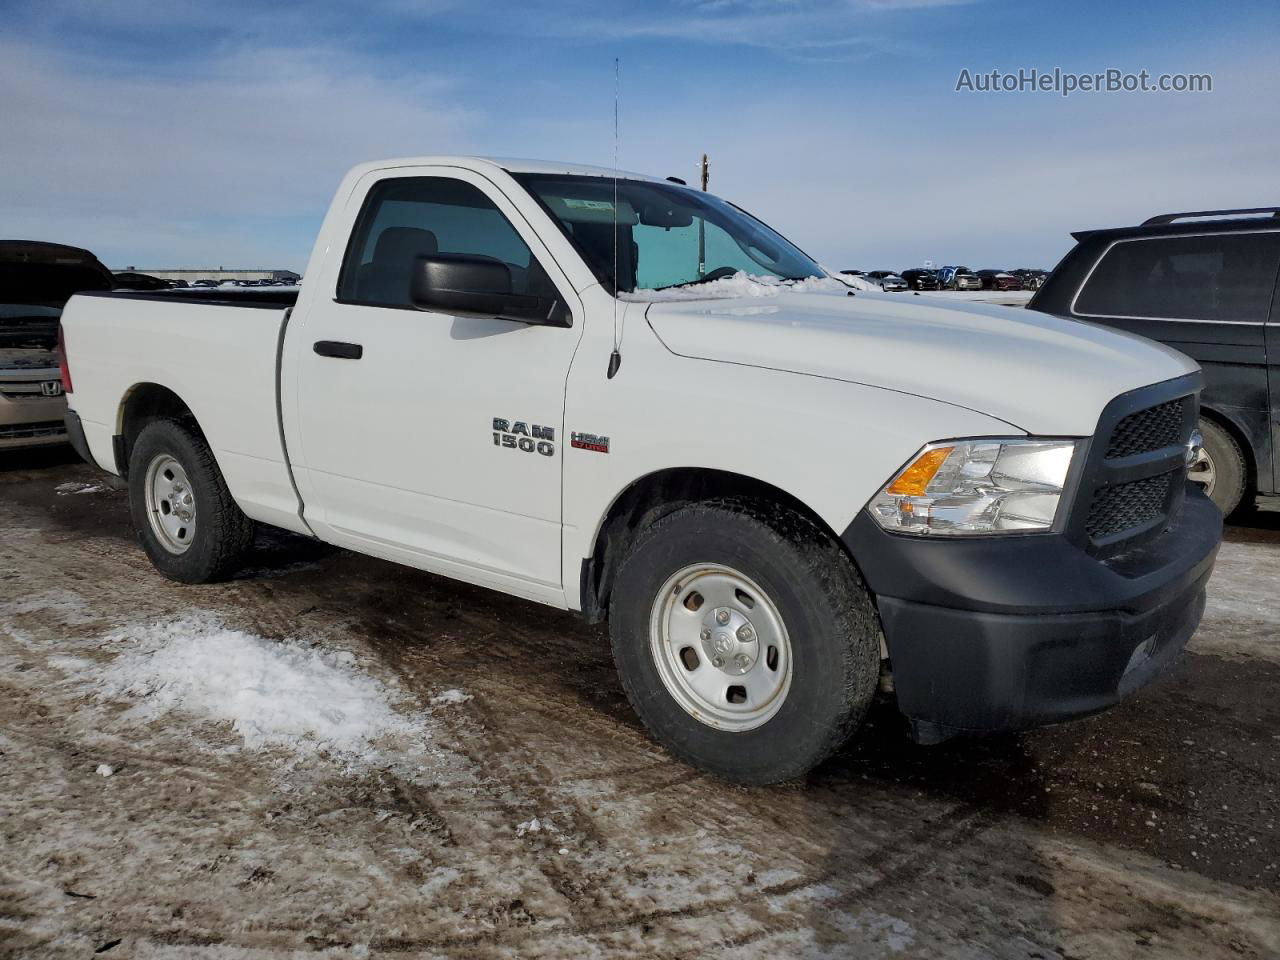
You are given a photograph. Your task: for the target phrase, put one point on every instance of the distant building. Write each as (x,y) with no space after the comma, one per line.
(192,274)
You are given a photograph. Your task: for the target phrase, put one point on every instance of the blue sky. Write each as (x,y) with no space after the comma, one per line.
(191,133)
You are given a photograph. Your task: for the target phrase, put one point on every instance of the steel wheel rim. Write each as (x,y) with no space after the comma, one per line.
(1202,471)
(720,647)
(171,503)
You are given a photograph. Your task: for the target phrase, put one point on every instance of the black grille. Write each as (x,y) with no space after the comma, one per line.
(1128,505)
(1150,429)
(32,431)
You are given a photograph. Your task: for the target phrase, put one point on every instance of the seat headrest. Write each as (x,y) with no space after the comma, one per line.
(403,243)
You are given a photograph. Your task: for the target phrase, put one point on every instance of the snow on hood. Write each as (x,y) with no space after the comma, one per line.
(1037,372)
(746,285)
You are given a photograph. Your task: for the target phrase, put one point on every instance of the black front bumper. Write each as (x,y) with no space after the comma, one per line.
(1004,633)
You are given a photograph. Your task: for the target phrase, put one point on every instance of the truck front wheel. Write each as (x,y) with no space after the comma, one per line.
(183,513)
(745,639)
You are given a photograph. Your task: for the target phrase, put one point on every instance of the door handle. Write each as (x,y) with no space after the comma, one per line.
(338,350)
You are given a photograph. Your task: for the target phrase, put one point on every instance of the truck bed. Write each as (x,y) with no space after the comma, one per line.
(260,297)
(219,352)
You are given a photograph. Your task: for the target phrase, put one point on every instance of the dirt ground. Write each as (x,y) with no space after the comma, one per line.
(1149,831)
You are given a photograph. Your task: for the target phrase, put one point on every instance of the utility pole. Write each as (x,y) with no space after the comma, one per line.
(704,174)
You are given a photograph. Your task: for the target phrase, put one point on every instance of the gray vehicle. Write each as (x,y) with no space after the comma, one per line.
(889,281)
(958,278)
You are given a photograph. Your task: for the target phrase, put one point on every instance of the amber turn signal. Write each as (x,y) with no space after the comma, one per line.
(913,481)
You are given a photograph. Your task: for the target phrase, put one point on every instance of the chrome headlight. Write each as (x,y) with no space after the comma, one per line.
(967,487)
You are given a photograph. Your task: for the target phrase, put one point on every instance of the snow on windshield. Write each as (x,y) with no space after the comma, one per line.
(744,285)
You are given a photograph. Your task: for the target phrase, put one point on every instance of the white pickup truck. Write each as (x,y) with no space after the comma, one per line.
(631,399)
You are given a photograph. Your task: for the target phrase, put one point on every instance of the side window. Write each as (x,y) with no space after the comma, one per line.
(1227,276)
(407,217)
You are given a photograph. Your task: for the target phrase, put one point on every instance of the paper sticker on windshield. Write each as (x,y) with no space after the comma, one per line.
(576,204)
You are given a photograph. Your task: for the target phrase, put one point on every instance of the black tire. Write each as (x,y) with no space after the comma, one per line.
(1232,473)
(222,533)
(833,628)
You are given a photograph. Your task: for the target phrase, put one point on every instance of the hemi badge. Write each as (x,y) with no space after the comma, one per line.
(589,441)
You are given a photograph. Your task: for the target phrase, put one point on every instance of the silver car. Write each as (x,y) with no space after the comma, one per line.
(889,281)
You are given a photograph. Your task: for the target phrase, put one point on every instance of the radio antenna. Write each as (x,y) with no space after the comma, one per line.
(615,358)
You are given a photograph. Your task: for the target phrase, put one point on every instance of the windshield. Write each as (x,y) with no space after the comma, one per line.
(668,236)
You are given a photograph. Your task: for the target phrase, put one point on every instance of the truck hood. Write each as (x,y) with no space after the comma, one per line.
(1039,373)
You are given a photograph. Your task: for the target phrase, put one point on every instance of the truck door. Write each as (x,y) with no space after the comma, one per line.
(427,438)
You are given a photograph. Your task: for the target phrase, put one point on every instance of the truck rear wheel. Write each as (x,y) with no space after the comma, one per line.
(745,639)
(182,511)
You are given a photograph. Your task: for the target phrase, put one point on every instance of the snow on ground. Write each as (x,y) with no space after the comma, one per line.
(65,606)
(533,825)
(286,693)
(63,489)
(450,697)
(1242,604)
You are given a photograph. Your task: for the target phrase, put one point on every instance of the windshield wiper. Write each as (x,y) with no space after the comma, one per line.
(709,279)
(687,283)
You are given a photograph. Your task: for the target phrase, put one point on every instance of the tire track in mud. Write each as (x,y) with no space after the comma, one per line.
(895,861)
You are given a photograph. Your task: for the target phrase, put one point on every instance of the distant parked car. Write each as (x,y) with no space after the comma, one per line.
(889,281)
(205,283)
(131,280)
(958,278)
(1204,283)
(1032,279)
(999,280)
(36,280)
(920,279)
(174,284)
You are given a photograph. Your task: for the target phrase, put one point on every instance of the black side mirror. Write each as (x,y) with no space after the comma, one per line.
(474,286)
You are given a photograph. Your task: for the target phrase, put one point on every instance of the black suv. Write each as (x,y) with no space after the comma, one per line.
(1203,283)
(918,279)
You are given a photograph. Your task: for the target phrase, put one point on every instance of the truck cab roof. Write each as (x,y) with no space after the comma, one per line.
(507,164)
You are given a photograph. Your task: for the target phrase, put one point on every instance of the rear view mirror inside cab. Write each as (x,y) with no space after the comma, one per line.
(663,213)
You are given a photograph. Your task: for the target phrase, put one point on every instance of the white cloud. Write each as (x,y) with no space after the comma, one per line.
(253,133)
(809,30)
(991,180)
(232,156)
